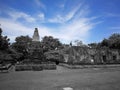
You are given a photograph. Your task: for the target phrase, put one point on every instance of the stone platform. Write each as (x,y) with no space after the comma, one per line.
(90,66)
(35,67)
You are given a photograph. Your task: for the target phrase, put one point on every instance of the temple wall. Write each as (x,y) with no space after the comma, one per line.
(79,55)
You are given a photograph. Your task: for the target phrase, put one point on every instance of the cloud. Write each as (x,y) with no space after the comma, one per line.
(66,33)
(115,28)
(72,13)
(13,29)
(74,25)
(62,18)
(62,5)
(78,27)
(40,4)
(15,15)
(112,15)
(41,16)
(57,19)
(77,30)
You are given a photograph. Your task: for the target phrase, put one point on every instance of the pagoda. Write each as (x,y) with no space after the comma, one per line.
(36,36)
(35,60)
(35,50)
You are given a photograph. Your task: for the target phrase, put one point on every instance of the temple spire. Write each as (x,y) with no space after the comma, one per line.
(36,35)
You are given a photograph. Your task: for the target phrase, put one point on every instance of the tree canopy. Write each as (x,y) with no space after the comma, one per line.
(50,43)
(113,42)
(21,43)
(4,41)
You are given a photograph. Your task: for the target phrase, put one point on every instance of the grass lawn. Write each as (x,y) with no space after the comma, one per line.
(78,79)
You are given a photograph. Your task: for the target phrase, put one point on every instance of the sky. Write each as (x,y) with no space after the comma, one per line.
(87,20)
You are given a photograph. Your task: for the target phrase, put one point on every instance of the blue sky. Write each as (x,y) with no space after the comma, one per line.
(68,20)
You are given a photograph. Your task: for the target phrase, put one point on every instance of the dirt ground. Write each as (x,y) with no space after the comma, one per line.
(78,79)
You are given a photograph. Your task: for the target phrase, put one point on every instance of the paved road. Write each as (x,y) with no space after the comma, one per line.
(61,68)
(78,79)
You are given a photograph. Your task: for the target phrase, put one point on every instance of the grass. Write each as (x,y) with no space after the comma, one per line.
(78,79)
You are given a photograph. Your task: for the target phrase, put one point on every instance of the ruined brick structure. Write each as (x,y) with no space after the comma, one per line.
(82,55)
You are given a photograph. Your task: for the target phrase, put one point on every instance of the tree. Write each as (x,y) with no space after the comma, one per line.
(93,45)
(105,43)
(21,43)
(113,42)
(50,43)
(4,41)
(78,43)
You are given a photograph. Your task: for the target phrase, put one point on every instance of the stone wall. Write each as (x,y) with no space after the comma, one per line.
(35,67)
(86,55)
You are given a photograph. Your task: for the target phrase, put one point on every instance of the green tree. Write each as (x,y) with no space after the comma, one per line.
(21,43)
(93,45)
(50,43)
(78,43)
(4,41)
(105,43)
(112,42)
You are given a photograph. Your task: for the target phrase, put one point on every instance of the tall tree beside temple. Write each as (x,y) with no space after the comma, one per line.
(21,43)
(4,41)
(50,43)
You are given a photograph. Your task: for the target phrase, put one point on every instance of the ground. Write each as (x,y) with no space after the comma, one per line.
(78,79)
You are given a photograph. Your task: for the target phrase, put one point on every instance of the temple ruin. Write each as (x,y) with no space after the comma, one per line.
(87,55)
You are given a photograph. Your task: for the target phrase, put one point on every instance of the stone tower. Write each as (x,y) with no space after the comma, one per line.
(36,35)
(35,50)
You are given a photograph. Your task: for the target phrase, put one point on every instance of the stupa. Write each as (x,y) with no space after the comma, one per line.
(36,60)
(35,49)
(36,35)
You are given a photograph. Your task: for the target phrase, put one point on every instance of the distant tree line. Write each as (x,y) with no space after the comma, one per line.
(113,42)
(50,43)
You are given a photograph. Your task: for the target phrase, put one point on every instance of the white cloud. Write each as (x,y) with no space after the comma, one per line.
(40,4)
(115,28)
(57,19)
(41,16)
(112,15)
(60,18)
(72,13)
(66,33)
(17,15)
(62,5)
(78,28)
(13,29)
